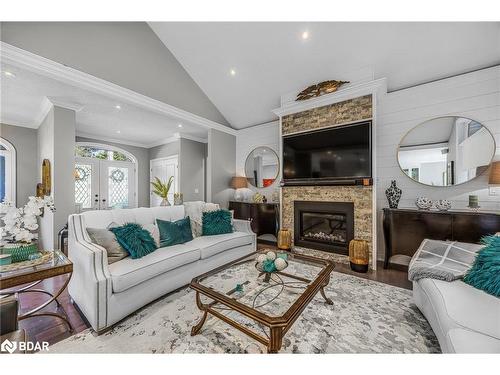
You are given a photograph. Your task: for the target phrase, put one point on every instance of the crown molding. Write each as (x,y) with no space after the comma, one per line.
(372,87)
(100,138)
(20,58)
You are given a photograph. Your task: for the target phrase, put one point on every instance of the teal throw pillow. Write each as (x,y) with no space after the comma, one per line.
(174,232)
(135,239)
(485,272)
(216,222)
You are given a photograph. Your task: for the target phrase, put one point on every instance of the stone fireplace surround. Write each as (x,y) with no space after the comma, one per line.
(344,112)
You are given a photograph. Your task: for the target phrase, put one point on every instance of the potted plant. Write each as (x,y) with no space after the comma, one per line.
(162,189)
(19,232)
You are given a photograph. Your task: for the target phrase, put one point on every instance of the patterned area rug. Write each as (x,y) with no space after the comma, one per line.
(367,317)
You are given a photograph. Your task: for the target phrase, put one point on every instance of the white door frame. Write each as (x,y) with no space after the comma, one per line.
(176,181)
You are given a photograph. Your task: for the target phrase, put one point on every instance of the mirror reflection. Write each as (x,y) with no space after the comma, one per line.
(262,167)
(446,151)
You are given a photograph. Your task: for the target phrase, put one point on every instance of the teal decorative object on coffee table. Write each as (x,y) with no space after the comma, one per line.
(20,252)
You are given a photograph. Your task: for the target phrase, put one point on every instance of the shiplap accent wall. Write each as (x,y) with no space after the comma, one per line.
(474,95)
(250,138)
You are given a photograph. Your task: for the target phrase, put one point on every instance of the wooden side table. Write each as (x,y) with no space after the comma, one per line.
(24,280)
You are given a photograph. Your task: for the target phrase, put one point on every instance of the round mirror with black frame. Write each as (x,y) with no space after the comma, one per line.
(262,167)
(446,151)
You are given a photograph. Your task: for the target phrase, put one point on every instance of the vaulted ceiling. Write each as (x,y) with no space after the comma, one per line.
(244,67)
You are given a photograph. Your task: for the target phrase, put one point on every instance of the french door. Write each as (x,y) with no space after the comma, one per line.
(164,168)
(104,184)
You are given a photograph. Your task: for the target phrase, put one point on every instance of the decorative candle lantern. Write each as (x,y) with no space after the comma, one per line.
(473,202)
(284,239)
(359,255)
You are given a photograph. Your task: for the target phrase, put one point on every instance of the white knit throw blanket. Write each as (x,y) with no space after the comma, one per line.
(442,260)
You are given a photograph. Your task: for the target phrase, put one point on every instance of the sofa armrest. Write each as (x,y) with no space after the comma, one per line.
(242,226)
(90,285)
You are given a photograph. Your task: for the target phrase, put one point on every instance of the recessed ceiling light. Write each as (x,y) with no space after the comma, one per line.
(9,74)
(118,106)
(179,126)
(118,132)
(232,72)
(305,35)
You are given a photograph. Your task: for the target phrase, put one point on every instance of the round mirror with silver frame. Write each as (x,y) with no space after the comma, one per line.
(262,167)
(446,151)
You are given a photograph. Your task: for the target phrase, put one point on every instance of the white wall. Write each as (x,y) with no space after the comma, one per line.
(248,139)
(474,95)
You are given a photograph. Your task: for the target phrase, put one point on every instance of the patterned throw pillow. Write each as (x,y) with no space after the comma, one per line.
(485,272)
(107,239)
(135,239)
(174,232)
(195,211)
(216,222)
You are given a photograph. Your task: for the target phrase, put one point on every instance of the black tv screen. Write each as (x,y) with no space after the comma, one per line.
(337,153)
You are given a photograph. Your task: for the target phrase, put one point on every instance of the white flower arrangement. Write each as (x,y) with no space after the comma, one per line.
(20,224)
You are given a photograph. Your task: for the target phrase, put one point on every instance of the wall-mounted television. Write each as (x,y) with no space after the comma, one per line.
(336,155)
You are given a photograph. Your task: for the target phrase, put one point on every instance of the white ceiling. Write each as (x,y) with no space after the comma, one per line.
(22,99)
(271,59)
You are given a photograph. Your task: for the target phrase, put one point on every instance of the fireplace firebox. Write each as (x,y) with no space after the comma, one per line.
(327,226)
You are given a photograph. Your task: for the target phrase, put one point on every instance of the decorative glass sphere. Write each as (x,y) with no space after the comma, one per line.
(280,264)
(271,255)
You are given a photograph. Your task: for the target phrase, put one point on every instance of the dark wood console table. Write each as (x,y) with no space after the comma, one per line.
(405,229)
(264,217)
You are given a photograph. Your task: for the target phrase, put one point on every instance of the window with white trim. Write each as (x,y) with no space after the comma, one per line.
(7,171)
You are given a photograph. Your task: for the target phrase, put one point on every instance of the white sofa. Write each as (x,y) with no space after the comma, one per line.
(106,293)
(464,319)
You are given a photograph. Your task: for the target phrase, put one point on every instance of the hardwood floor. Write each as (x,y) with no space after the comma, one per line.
(52,330)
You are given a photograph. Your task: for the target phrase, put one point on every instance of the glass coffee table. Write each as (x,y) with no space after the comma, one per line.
(24,280)
(269,302)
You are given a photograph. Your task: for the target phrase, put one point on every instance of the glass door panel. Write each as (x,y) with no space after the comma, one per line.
(117,189)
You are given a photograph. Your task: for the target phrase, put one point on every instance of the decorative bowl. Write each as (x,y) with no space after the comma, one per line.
(423,203)
(443,204)
(271,262)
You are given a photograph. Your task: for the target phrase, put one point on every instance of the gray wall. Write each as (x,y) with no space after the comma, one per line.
(24,141)
(114,51)
(221,166)
(192,169)
(142,155)
(56,142)
(166,150)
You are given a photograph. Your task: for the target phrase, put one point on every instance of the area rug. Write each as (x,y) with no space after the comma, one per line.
(366,317)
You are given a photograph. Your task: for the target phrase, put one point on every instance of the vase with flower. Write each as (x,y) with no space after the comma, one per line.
(18,234)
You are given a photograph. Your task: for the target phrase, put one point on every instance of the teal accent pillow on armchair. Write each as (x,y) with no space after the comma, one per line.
(216,222)
(485,272)
(174,232)
(135,239)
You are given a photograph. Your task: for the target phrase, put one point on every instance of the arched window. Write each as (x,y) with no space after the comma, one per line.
(105,177)
(7,171)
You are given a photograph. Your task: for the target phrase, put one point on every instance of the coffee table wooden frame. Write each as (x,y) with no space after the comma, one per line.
(278,326)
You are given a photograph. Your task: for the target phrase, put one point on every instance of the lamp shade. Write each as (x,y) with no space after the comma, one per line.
(495,173)
(238,182)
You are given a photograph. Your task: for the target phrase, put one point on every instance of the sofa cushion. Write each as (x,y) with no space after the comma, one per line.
(211,245)
(460,305)
(467,341)
(130,272)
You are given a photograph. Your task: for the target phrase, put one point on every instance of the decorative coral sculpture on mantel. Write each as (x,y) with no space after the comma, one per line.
(319,89)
